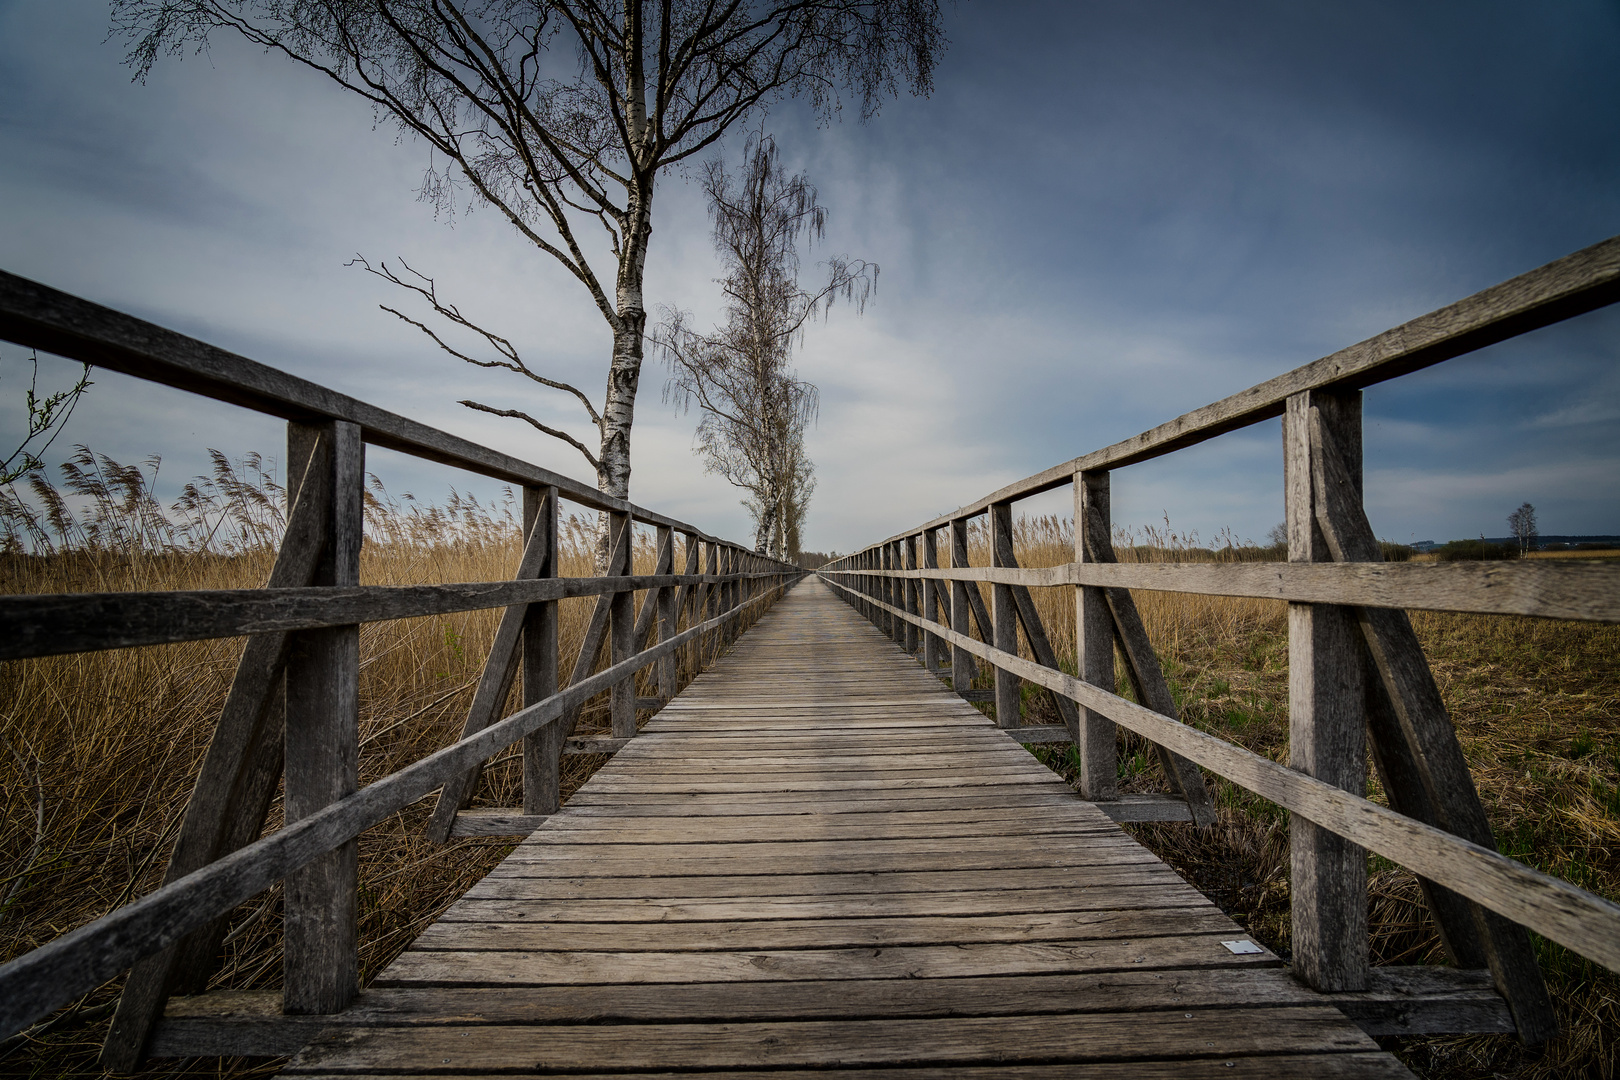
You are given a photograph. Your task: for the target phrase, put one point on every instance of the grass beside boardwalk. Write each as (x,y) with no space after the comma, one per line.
(99,751)
(1536,705)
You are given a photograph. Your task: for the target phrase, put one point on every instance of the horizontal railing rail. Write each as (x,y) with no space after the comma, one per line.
(1359,684)
(291,715)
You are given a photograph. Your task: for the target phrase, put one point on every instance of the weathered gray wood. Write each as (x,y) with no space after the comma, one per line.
(1326,721)
(1094,734)
(1422,746)
(912,598)
(1004,620)
(594,746)
(86,622)
(542,750)
(963,666)
(238,777)
(1583,281)
(1142,665)
(1044,733)
(1552,589)
(497,822)
(668,678)
(1146,808)
(1575,918)
(37,982)
(930,593)
(320,908)
(1030,619)
(506,656)
(621,620)
(1425,1001)
(988,696)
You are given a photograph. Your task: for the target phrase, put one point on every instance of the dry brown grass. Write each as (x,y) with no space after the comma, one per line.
(98,751)
(1536,705)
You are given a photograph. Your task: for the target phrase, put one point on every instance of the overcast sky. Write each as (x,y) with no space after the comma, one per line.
(1107,214)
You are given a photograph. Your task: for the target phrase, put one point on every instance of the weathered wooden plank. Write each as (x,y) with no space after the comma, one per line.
(1433,782)
(1007,1039)
(500,668)
(320,911)
(37,982)
(1146,808)
(1326,720)
(238,777)
(1575,918)
(1094,734)
(540,968)
(1551,589)
(542,752)
(1335,1066)
(496,822)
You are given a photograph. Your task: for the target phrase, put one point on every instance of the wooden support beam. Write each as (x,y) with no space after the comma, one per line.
(1095,736)
(320,921)
(238,778)
(501,667)
(933,597)
(963,665)
(1326,724)
(1142,667)
(621,616)
(909,597)
(1034,629)
(542,750)
(1004,619)
(1415,747)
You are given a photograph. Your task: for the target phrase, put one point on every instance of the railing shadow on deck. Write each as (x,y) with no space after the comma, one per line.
(291,714)
(1358,679)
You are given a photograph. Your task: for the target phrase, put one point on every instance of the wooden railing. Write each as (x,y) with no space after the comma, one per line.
(1358,679)
(292,710)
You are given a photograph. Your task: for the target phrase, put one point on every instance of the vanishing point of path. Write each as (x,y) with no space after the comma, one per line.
(817,858)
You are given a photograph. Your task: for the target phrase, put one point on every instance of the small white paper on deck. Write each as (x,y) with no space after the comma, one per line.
(1242,948)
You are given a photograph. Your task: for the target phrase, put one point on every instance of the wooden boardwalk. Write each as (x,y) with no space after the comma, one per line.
(817,858)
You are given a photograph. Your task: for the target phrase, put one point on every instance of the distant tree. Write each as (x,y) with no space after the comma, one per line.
(561,114)
(754,406)
(1522,526)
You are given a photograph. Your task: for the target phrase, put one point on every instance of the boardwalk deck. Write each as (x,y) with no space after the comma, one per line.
(816,858)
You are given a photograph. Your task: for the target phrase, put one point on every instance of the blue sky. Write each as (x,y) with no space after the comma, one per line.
(1106,214)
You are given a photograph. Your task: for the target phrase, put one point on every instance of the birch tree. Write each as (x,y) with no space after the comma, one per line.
(561,115)
(753,405)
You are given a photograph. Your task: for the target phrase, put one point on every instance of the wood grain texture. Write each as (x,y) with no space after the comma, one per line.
(1580,920)
(818,856)
(320,920)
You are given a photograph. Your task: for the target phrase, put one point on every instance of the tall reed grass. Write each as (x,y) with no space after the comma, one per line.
(98,751)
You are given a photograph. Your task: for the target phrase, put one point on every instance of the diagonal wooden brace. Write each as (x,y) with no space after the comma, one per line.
(500,668)
(1421,745)
(1147,679)
(236,782)
(1035,633)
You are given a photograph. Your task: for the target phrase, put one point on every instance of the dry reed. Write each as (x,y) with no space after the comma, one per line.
(98,751)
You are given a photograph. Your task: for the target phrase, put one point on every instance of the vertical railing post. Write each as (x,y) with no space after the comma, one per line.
(321,962)
(622,627)
(1004,619)
(711,601)
(690,605)
(963,664)
(930,600)
(896,595)
(1326,718)
(665,598)
(912,606)
(1095,736)
(542,751)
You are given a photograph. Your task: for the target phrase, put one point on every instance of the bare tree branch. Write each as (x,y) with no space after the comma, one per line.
(538,426)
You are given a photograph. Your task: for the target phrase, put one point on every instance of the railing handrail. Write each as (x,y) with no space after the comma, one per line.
(1349,604)
(308,597)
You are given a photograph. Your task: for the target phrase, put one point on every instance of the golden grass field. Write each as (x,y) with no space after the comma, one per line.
(100,751)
